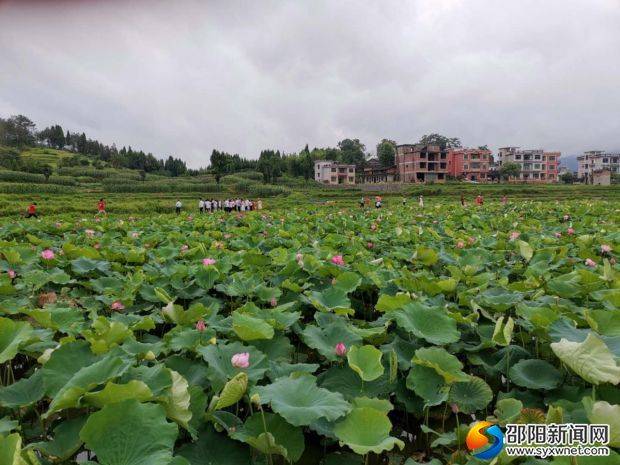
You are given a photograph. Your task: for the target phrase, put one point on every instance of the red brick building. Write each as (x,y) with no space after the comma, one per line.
(421,163)
(470,164)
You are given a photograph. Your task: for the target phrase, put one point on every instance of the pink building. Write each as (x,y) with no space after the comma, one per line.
(421,163)
(471,164)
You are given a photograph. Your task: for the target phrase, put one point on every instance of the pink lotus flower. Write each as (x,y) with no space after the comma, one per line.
(514,235)
(208,261)
(97,245)
(454,408)
(240,360)
(97,220)
(460,244)
(117,305)
(558,234)
(47,254)
(200,326)
(340,349)
(471,240)
(338,260)
(605,248)
(184,248)
(299,257)
(570,231)
(11,274)
(58,225)
(566,217)
(370,245)
(135,234)
(89,232)
(591,263)
(273,302)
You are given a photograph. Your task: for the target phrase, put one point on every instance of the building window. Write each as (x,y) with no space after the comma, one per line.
(517,157)
(465,167)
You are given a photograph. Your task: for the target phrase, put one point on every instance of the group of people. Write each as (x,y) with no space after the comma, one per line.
(227,205)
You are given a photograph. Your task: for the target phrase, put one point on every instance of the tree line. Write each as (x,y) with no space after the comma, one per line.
(19,131)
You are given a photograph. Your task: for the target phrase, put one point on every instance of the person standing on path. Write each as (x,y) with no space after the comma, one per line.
(178,206)
(421,201)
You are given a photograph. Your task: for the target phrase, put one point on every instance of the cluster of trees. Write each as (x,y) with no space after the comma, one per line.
(19,131)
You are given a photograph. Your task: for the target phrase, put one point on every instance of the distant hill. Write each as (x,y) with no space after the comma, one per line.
(570,161)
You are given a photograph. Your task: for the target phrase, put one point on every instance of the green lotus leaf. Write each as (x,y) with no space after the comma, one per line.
(130,433)
(606,414)
(12,335)
(24,392)
(212,448)
(366,429)
(444,363)
(428,384)
(507,410)
(221,369)
(388,303)
(113,392)
(348,281)
(426,256)
(85,265)
(535,374)
(106,334)
(366,362)
(471,395)
(431,324)
(249,328)
(66,441)
(609,297)
(324,340)
(300,401)
(331,300)
(280,437)
(525,250)
(206,277)
(590,359)
(158,378)
(10,450)
(177,401)
(233,391)
(7,425)
(64,363)
(348,383)
(502,333)
(87,378)
(378,404)
(499,300)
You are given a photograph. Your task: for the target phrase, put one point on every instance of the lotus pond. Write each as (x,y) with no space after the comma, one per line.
(311,335)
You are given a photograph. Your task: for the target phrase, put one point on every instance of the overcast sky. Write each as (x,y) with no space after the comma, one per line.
(183,77)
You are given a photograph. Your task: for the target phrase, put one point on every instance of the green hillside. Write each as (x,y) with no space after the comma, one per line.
(45,155)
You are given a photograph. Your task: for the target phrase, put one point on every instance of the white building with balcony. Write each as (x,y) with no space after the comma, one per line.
(333,173)
(597,160)
(536,165)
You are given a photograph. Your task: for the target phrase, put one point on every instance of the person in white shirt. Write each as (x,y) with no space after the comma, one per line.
(178,206)
(201,206)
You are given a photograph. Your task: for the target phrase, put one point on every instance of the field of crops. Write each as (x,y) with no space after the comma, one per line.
(312,334)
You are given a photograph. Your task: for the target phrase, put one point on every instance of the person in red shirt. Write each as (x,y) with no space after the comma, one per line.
(101,206)
(32,210)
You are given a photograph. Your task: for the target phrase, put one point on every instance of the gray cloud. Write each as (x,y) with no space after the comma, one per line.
(185,77)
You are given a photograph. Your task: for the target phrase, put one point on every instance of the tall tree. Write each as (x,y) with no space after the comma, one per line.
(442,141)
(386,152)
(510,170)
(17,131)
(352,152)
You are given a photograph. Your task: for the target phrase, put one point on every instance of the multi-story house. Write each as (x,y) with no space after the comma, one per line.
(536,165)
(375,172)
(331,172)
(596,160)
(471,164)
(421,163)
